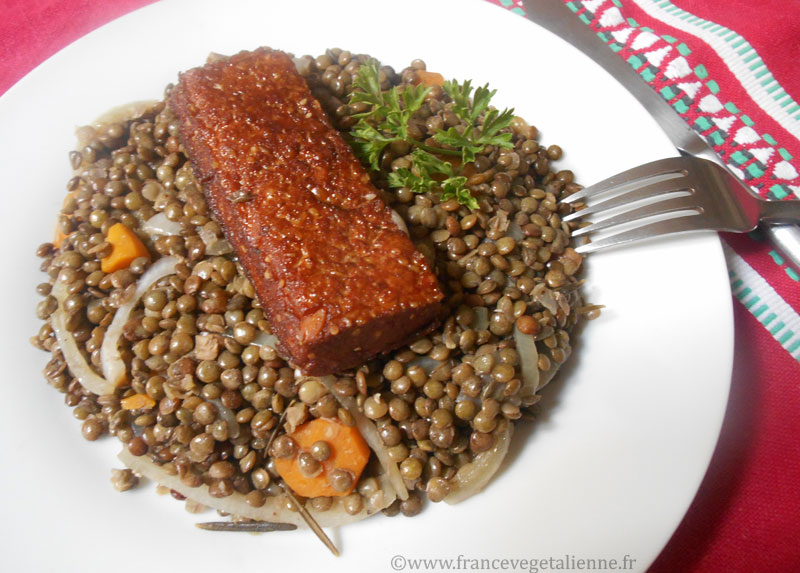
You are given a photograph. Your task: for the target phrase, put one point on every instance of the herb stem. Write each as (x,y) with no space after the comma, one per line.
(431,149)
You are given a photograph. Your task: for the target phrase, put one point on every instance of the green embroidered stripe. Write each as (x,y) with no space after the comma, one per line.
(748,304)
(777,328)
(682,105)
(760,310)
(776,257)
(763,302)
(734,49)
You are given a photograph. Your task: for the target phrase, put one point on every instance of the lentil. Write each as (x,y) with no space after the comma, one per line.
(193,337)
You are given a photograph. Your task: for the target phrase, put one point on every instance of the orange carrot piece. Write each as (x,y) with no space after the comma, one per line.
(349,451)
(58,237)
(126,247)
(429,78)
(137,401)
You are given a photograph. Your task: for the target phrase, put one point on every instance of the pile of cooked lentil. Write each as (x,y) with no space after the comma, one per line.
(195,366)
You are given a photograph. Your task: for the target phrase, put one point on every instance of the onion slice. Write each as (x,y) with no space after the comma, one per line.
(80,369)
(214,245)
(472,477)
(274,509)
(122,113)
(398,220)
(481,321)
(546,299)
(370,434)
(427,363)
(264,339)
(229,417)
(111,360)
(548,375)
(159,224)
(529,363)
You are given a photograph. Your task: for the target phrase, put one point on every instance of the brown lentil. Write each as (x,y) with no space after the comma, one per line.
(193,337)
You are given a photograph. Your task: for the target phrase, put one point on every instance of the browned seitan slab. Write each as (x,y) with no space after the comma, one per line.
(339,282)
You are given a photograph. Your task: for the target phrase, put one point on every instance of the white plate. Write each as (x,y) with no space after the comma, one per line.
(607,472)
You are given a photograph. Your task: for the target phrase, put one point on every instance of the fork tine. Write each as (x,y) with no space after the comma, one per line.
(644,192)
(668,227)
(684,203)
(648,170)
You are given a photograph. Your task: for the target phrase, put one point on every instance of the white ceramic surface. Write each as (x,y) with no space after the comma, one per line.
(625,436)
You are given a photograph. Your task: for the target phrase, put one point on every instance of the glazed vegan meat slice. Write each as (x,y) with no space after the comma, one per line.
(338,280)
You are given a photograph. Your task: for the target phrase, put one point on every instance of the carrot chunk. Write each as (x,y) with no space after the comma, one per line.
(137,401)
(349,451)
(126,247)
(429,79)
(58,237)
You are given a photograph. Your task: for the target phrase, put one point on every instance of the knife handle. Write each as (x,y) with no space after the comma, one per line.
(555,16)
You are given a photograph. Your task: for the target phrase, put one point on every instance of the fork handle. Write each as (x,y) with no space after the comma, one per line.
(780,211)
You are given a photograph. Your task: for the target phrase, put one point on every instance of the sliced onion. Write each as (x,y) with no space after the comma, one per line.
(229,417)
(370,434)
(499,223)
(159,225)
(398,220)
(472,477)
(214,245)
(264,339)
(547,375)
(481,318)
(562,301)
(529,363)
(125,112)
(273,510)
(110,358)
(427,363)
(515,231)
(80,369)
(546,299)
(122,113)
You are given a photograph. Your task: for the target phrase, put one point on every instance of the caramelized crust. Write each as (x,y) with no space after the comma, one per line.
(339,282)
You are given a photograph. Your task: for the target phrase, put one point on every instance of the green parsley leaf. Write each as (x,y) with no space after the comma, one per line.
(413,98)
(459,93)
(428,164)
(465,197)
(386,120)
(404,177)
(369,143)
(480,102)
(493,122)
(455,188)
(463,141)
(368,86)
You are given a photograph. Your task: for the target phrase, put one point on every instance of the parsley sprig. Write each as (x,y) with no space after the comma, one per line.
(386,120)
(472,140)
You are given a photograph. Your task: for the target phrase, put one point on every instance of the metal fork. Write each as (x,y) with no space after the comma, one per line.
(668,196)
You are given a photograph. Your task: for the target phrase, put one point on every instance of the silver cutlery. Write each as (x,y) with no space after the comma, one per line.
(556,17)
(668,196)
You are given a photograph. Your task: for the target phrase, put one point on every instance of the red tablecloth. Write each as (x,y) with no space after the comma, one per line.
(730,69)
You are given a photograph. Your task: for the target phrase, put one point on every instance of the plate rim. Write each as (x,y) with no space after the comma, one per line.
(44,67)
